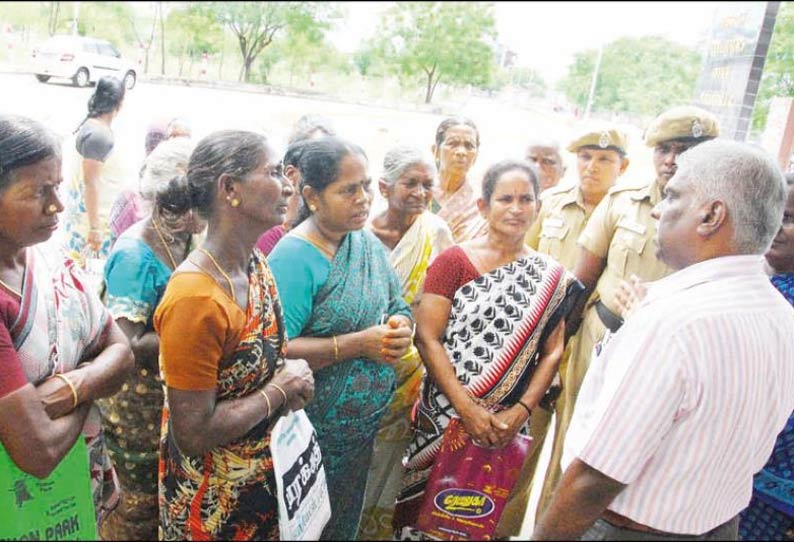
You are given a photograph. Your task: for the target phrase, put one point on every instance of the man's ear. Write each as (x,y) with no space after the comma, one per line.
(713,215)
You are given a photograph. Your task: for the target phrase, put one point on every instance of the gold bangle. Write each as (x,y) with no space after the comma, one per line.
(269,409)
(279,388)
(71,387)
(336,349)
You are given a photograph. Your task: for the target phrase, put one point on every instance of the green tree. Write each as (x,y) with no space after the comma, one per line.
(116,22)
(303,47)
(452,41)
(778,76)
(257,24)
(192,31)
(371,58)
(53,17)
(637,75)
(363,60)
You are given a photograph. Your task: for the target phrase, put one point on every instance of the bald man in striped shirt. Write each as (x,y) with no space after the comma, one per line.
(682,405)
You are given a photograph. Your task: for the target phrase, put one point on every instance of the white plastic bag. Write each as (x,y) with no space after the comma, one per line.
(303,504)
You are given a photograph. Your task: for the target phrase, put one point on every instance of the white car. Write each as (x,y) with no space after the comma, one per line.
(81,59)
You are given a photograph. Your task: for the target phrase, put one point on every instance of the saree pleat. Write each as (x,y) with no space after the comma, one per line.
(351,396)
(427,237)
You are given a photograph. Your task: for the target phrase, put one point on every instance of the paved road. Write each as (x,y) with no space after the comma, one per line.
(504,129)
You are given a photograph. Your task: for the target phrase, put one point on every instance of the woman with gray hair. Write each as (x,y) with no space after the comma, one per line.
(136,274)
(414,236)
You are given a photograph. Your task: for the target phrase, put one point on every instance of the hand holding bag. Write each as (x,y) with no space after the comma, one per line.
(469,485)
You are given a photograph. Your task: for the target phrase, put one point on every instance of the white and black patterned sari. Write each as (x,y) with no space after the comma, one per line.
(497,325)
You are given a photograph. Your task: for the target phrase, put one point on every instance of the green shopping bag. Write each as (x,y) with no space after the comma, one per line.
(60,507)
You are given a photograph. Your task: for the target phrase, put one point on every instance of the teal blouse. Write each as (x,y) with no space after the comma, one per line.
(300,270)
(135,279)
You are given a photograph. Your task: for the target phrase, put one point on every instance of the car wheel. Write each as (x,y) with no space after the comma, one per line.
(80,79)
(129,80)
(42,78)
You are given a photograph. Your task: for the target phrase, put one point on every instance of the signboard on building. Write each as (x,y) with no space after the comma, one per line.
(735,57)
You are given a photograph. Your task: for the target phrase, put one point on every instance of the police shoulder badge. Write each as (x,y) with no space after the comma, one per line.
(603,141)
(697,128)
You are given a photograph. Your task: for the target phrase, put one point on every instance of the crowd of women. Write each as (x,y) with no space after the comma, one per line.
(240,284)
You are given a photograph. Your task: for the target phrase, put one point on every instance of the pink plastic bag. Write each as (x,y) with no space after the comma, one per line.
(469,485)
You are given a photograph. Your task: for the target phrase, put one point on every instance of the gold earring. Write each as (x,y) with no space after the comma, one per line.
(313,208)
(52,209)
(234,202)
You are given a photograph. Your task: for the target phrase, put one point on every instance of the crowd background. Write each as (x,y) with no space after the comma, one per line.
(308,344)
(504,129)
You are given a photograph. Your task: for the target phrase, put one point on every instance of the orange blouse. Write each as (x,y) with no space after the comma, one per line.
(199,326)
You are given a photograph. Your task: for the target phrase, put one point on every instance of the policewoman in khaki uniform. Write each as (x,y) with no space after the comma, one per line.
(600,160)
(616,244)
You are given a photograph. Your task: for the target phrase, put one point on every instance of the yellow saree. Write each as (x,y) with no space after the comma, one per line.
(425,239)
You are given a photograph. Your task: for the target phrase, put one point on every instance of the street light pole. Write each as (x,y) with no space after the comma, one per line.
(593,83)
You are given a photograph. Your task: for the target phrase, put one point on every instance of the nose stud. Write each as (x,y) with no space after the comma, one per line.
(52,209)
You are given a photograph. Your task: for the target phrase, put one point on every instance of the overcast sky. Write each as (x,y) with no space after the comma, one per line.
(546,35)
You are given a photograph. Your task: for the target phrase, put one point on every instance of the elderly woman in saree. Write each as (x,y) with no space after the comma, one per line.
(490,329)
(345,315)
(59,348)
(222,352)
(414,236)
(454,199)
(136,274)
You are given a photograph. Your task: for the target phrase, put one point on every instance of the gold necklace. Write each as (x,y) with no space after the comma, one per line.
(11,288)
(321,241)
(317,243)
(162,240)
(221,271)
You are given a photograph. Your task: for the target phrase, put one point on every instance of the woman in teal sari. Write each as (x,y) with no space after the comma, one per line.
(345,315)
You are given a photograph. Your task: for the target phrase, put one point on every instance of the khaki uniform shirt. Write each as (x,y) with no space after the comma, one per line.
(622,232)
(561,219)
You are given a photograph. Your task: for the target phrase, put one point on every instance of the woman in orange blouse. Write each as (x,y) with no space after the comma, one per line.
(222,347)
